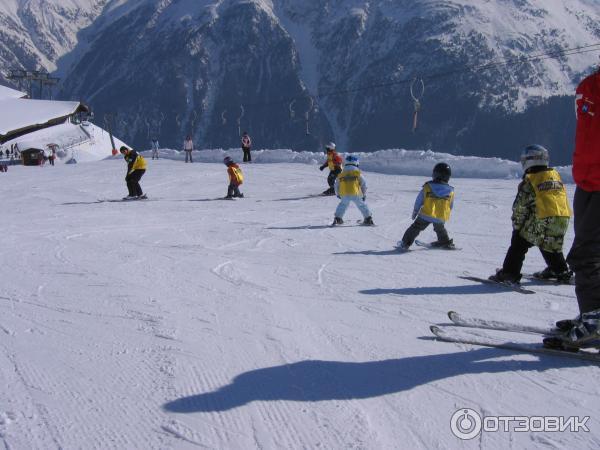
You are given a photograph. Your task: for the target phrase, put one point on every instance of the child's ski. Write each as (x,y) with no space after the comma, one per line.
(552,281)
(511,286)
(476,322)
(433,247)
(456,336)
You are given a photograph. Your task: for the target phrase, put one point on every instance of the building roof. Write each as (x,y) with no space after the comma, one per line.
(19,116)
(6,92)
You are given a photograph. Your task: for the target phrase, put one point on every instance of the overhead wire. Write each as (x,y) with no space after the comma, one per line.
(465,69)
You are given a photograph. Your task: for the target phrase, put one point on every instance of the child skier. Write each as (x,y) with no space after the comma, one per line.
(136,168)
(540,218)
(334,163)
(433,205)
(350,186)
(236,178)
(154,148)
(246,146)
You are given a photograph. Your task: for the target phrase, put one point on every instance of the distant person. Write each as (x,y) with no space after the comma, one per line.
(432,206)
(52,156)
(236,178)
(350,186)
(154,148)
(188,147)
(136,168)
(540,218)
(246,146)
(1,154)
(334,163)
(584,257)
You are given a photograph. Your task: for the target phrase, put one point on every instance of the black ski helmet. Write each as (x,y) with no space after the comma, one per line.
(442,172)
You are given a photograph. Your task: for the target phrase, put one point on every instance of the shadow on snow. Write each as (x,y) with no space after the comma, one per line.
(314,380)
(470,289)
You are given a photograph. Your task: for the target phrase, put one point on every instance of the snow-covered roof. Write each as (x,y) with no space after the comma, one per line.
(6,92)
(18,115)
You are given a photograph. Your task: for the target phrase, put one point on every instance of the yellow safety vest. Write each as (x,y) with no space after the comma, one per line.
(550,194)
(139,164)
(349,183)
(434,206)
(237,173)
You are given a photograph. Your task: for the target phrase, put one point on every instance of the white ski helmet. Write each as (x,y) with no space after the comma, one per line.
(534,155)
(330,146)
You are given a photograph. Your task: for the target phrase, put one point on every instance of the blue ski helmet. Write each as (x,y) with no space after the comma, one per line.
(352,160)
(227,160)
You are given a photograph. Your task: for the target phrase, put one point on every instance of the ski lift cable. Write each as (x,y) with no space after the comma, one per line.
(464,69)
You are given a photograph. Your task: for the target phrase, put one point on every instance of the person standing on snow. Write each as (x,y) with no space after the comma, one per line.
(236,178)
(136,168)
(584,257)
(154,148)
(246,146)
(432,206)
(334,163)
(540,218)
(188,147)
(350,186)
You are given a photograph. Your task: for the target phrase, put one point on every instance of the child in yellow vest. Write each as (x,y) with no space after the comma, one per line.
(350,186)
(540,219)
(136,168)
(432,206)
(236,178)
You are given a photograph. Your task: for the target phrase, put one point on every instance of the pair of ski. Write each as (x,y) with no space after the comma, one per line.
(456,335)
(513,286)
(350,224)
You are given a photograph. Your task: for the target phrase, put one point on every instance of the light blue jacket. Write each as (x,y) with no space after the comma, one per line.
(439,190)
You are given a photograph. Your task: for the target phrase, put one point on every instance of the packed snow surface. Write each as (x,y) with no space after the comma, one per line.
(186,321)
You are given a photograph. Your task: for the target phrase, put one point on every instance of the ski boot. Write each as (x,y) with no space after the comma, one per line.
(130,197)
(329,191)
(449,245)
(337,221)
(549,274)
(368,221)
(142,197)
(505,277)
(583,333)
(402,247)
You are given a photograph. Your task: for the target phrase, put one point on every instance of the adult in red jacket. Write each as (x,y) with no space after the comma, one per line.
(584,257)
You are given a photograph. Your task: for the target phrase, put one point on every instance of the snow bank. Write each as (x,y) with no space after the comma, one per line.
(394,161)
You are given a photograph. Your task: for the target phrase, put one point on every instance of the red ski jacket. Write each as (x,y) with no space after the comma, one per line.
(586,158)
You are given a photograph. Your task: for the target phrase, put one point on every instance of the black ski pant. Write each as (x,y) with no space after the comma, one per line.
(188,156)
(515,256)
(233,190)
(133,182)
(331,180)
(419,225)
(247,155)
(584,257)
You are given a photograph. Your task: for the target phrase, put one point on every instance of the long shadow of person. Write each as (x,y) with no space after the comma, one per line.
(314,380)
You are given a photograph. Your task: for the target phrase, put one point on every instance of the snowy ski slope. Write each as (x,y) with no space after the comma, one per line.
(188,322)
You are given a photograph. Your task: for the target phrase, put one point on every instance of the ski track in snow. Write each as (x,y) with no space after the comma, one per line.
(252,324)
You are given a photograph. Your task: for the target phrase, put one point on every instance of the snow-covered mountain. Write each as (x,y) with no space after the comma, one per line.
(34,34)
(177,67)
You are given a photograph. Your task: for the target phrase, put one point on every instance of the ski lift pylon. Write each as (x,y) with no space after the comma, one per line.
(307,114)
(239,120)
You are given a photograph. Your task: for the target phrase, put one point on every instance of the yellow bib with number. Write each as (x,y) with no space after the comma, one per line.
(550,194)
